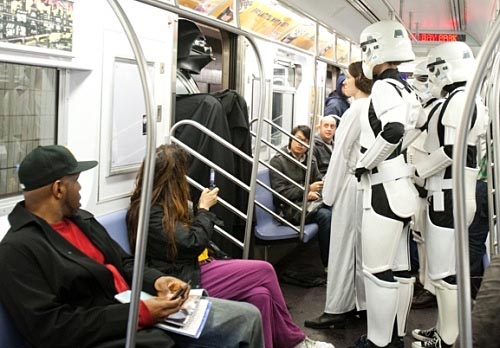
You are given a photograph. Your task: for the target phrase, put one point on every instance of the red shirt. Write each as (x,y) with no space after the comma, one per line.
(73,234)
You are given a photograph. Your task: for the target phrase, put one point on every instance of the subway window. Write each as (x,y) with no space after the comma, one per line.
(28,117)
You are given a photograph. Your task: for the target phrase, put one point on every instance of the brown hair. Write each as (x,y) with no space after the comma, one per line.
(360,80)
(170,191)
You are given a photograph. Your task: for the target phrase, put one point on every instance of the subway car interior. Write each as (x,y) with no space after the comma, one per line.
(231,83)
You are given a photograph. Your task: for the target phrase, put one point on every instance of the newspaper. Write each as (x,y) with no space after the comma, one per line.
(189,321)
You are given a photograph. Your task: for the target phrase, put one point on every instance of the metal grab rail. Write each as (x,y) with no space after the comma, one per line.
(493,141)
(307,168)
(228,175)
(458,168)
(147,185)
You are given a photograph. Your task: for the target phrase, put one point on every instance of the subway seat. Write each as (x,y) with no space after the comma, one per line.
(267,227)
(116,225)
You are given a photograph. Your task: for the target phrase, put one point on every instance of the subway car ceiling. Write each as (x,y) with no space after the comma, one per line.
(471,19)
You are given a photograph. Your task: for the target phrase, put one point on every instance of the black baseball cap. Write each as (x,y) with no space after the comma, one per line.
(46,164)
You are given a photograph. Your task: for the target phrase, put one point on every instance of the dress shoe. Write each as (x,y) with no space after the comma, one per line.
(425,300)
(326,320)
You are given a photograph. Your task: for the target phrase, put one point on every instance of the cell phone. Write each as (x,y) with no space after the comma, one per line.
(211,184)
(179,293)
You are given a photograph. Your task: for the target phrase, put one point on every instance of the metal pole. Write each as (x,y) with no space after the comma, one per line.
(142,231)
(459,155)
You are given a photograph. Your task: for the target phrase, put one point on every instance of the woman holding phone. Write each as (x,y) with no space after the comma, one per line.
(177,244)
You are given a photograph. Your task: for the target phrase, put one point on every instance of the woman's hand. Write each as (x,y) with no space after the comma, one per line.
(208,198)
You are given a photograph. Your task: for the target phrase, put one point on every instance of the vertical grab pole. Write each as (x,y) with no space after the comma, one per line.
(459,155)
(255,164)
(142,231)
(493,155)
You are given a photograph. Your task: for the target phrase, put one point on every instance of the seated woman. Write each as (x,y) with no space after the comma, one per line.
(177,244)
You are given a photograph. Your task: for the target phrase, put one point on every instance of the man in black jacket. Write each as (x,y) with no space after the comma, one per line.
(323,215)
(61,271)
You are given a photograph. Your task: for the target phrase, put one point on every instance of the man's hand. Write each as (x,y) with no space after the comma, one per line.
(168,286)
(162,306)
(312,196)
(359,172)
(316,186)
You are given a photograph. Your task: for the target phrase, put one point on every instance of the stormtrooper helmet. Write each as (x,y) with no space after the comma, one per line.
(420,81)
(193,52)
(384,41)
(449,63)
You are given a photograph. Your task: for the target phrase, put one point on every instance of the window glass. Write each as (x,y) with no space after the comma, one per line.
(28,117)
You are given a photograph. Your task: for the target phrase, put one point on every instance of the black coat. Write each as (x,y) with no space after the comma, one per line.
(286,188)
(190,242)
(59,297)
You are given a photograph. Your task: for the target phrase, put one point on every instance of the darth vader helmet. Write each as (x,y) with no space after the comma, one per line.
(193,52)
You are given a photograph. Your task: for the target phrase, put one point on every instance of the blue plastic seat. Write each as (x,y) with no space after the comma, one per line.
(267,227)
(116,225)
(9,336)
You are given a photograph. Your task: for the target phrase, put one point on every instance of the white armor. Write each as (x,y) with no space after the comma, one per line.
(384,236)
(448,64)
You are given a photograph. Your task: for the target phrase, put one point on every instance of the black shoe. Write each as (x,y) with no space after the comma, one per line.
(326,320)
(363,342)
(425,300)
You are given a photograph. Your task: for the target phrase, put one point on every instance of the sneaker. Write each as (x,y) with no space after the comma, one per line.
(435,342)
(309,343)
(424,335)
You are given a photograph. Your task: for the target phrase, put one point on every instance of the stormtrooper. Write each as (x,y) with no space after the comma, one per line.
(449,65)
(416,153)
(389,196)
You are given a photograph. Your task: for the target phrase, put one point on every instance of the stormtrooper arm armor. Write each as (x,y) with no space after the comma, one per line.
(434,163)
(385,143)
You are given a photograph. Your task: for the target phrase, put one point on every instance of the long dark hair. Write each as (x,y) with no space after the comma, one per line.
(170,191)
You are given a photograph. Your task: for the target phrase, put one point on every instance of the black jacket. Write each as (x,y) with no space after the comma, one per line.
(190,242)
(59,297)
(286,188)
(322,154)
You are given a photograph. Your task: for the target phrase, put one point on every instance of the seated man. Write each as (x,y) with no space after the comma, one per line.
(61,271)
(323,215)
(323,142)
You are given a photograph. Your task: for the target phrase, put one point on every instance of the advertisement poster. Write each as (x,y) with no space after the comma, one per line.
(220,9)
(37,23)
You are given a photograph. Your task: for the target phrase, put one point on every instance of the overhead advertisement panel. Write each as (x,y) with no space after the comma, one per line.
(273,21)
(326,43)
(343,48)
(219,9)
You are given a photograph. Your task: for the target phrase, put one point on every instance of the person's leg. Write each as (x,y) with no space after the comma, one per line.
(255,282)
(229,324)
(323,217)
(478,233)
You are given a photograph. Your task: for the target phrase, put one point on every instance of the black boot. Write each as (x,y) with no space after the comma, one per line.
(326,320)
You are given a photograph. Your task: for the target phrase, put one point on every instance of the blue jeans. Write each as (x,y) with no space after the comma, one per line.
(230,324)
(323,217)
